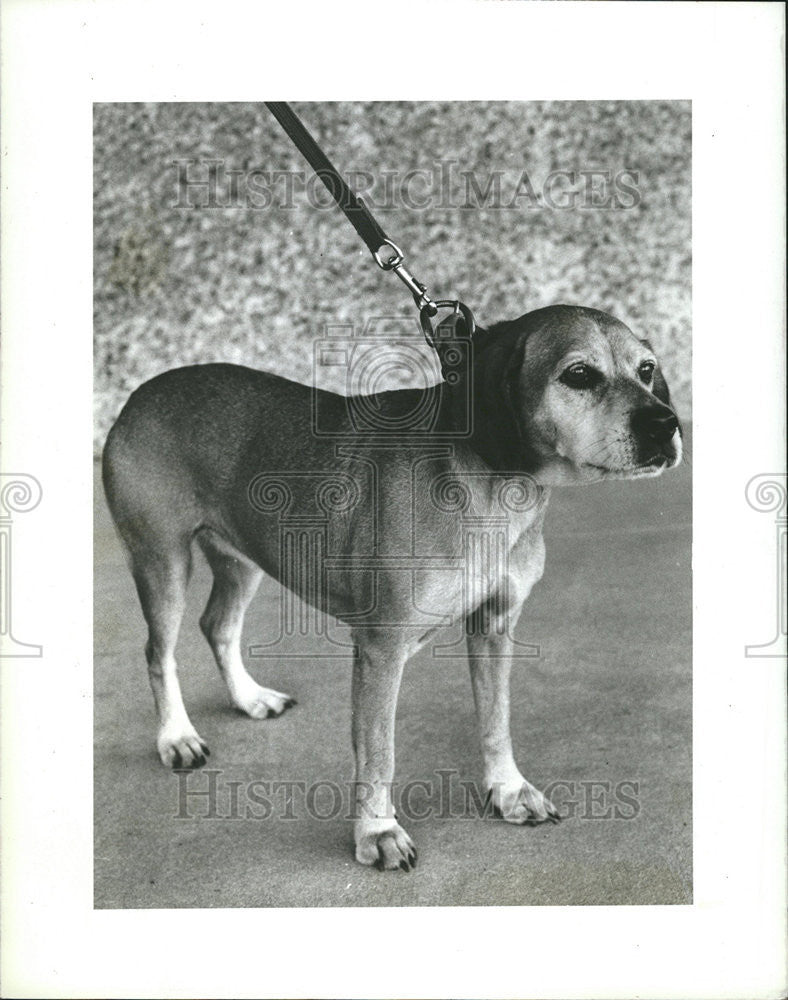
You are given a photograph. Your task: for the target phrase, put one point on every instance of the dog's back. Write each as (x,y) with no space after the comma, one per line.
(182,446)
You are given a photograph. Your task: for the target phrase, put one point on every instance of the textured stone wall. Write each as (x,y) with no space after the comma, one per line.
(203,254)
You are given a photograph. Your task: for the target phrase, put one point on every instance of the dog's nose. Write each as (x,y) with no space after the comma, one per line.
(656,423)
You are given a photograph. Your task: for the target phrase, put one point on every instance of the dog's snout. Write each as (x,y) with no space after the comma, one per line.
(655,423)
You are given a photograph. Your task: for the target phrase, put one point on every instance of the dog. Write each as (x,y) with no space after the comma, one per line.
(214,453)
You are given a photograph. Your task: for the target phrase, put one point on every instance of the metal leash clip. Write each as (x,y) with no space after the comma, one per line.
(394,262)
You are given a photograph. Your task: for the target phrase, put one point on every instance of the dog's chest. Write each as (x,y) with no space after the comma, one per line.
(490,535)
(431,540)
(469,534)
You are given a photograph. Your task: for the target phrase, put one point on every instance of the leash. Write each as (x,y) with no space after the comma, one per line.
(385,252)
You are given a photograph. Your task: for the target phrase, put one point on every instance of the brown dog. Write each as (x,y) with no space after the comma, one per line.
(430,506)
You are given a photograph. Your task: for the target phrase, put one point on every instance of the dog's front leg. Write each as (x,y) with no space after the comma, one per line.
(490,657)
(377,673)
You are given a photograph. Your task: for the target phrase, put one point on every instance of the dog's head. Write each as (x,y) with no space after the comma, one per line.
(585,397)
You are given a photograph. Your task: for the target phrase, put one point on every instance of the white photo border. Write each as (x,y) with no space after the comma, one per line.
(59,58)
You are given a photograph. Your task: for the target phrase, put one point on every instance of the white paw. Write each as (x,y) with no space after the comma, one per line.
(384,844)
(261,703)
(181,747)
(521,803)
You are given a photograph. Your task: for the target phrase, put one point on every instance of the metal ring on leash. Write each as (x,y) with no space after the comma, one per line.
(458,307)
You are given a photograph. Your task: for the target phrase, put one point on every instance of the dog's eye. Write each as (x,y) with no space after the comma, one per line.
(646,372)
(580,376)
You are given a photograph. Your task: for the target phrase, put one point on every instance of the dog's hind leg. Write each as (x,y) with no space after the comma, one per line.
(235,582)
(161,574)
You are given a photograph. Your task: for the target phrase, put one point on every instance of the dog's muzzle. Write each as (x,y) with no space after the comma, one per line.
(654,427)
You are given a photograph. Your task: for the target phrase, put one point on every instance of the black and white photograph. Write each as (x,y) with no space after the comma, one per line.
(366,489)
(392,501)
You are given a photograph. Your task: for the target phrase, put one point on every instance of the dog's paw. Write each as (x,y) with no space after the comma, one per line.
(262,703)
(523,804)
(386,848)
(181,748)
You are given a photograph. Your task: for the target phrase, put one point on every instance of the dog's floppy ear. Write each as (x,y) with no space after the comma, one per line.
(498,432)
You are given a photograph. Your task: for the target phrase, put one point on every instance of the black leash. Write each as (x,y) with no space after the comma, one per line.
(386,253)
